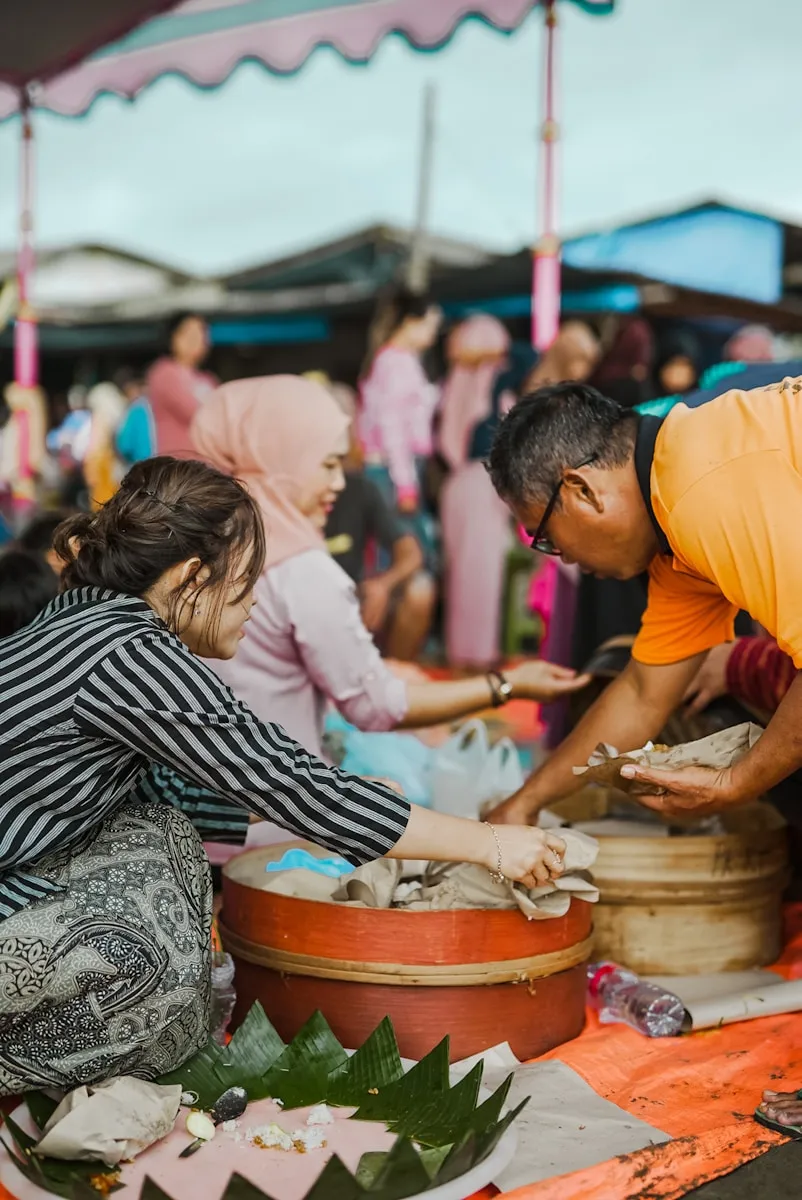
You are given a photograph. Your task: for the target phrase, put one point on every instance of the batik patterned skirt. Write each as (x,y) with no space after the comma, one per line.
(112,975)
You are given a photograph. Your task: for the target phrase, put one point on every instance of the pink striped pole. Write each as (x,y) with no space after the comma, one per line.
(546,264)
(26,358)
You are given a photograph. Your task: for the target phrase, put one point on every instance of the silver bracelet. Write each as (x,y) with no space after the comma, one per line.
(498,875)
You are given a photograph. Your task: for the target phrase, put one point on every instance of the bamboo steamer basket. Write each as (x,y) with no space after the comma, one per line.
(481,976)
(690,904)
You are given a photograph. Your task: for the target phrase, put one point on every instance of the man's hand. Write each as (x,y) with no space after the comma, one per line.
(515,811)
(689,791)
(374,603)
(711,680)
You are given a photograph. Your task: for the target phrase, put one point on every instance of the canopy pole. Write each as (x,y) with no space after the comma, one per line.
(418,271)
(26,359)
(546,262)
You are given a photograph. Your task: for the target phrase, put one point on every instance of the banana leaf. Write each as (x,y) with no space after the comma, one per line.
(51,1174)
(442,1131)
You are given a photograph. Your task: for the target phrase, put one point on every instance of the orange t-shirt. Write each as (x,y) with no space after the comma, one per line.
(726,487)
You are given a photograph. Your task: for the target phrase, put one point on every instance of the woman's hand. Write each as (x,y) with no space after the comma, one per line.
(529,856)
(711,679)
(544,681)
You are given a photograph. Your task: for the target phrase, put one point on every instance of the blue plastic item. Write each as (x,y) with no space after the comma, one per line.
(400,757)
(333,868)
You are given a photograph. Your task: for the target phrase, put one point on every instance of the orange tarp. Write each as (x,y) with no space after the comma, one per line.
(702,1089)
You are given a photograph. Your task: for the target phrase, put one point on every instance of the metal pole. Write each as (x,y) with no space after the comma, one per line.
(26,364)
(418,271)
(546,264)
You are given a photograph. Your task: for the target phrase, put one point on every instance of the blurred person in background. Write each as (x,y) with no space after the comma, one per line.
(678,363)
(625,372)
(102,467)
(398,403)
(27,585)
(176,385)
(397,603)
(475,522)
(573,354)
(136,437)
(6,519)
(750,344)
(23,449)
(306,645)
(68,443)
(752,669)
(37,536)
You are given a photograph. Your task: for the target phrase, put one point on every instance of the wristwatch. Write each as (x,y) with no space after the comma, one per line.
(500,687)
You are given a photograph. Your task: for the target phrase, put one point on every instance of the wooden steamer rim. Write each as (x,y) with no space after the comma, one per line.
(521,970)
(387,940)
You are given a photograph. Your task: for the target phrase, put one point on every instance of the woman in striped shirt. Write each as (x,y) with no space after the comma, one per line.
(105,896)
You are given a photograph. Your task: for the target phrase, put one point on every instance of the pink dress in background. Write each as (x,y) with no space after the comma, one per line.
(475,522)
(395,422)
(175,394)
(476,539)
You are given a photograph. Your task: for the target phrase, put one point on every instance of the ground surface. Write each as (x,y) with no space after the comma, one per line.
(776,1175)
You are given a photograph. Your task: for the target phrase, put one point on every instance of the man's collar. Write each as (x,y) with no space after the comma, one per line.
(645,438)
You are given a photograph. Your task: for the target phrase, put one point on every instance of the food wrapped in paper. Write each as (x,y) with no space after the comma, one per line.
(110,1122)
(433,887)
(719,750)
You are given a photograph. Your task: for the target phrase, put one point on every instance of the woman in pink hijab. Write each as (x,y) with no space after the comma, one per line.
(475,522)
(306,645)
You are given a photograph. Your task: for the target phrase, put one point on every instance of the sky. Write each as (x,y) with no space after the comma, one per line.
(664,103)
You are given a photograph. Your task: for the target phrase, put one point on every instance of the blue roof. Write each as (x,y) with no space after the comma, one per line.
(711,248)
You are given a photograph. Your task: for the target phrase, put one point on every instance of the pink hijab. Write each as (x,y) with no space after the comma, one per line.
(475,349)
(272,433)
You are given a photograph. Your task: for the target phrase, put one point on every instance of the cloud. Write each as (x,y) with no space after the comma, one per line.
(662,103)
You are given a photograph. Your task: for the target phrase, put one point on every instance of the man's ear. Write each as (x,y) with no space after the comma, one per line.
(581,489)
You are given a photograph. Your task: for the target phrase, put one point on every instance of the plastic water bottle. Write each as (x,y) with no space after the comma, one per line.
(621,995)
(223,994)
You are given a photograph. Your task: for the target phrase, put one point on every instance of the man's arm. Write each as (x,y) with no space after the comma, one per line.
(703,790)
(633,709)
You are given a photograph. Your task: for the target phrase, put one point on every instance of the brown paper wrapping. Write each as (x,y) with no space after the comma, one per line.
(719,750)
(109,1122)
(435,887)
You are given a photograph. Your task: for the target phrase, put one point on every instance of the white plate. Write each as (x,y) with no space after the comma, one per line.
(459,1189)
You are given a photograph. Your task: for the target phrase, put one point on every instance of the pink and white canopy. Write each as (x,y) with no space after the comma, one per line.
(61,55)
(64,55)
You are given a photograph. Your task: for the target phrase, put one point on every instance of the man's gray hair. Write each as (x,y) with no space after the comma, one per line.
(553,430)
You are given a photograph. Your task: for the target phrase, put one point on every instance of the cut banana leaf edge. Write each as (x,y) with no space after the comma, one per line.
(442,1131)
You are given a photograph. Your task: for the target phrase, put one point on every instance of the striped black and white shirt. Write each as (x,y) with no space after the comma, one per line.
(97,688)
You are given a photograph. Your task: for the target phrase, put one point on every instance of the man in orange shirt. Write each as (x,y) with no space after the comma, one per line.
(709,501)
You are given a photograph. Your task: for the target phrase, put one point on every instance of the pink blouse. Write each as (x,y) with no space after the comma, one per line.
(175,393)
(305,645)
(395,424)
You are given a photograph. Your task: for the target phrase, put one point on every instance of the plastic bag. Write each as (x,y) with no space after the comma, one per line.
(400,757)
(224,996)
(501,776)
(468,774)
(458,765)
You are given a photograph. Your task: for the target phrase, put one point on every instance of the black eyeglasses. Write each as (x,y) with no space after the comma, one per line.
(541,541)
